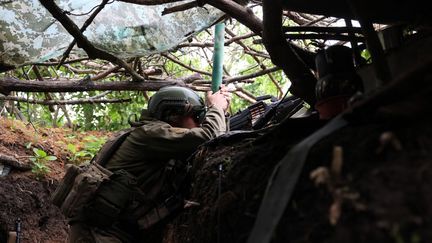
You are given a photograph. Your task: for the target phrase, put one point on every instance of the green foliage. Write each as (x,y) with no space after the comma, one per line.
(262,86)
(91,146)
(238,104)
(40,159)
(108,116)
(77,157)
(366,55)
(114,116)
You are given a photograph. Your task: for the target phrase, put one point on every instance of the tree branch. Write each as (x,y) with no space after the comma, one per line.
(196,44)
(57,63)
(95,65)
(104,74)
(252,53)
(305,19)
(184,65)
(211,44)
(40,78)
(83,42)
(11,84)
(339,37)
(242,95)
(238,38)
(379,62)
(244,78)
(181,7)
(79,71)
(149,2)
(283,55)
(246,48)
(298,73)
(249,76)
(243,14)
(83,28)
(320,29)
(64,102)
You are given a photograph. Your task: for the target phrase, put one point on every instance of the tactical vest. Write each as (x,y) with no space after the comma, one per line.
(99,197)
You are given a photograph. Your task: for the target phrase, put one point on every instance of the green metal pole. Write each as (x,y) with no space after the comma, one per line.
(218,56)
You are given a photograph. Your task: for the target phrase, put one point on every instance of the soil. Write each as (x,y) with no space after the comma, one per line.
(26,197)
(378,190)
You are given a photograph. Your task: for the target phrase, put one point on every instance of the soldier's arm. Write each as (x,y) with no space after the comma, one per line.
(172,140)
(179,141)
(164,140)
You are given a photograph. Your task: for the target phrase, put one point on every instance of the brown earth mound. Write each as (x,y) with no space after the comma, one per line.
(376,190)
(25,196)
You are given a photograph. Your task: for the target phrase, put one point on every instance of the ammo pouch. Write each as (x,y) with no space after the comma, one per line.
(111,199)
(94,194)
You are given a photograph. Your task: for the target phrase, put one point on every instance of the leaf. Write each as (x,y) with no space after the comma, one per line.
(28,145)
(39,165)
(71,148)
(39,152)
(90,138)
(82,153)
(50,157)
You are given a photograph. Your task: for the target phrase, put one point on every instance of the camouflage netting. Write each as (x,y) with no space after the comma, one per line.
(28,32)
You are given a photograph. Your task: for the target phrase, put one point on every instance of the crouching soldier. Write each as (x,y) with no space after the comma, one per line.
(141,178)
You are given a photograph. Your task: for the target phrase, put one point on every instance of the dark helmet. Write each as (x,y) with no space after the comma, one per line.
(337,80)
(336,73)
(172,102)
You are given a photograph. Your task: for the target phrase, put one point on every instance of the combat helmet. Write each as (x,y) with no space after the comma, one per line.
(337,80)
(172,102)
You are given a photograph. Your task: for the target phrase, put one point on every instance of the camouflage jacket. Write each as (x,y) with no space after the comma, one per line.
(147,150)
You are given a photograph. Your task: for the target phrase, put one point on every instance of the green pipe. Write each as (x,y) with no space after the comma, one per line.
(218,56)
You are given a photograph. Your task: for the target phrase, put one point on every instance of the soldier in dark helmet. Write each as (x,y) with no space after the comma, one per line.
(176,123)
(337,80)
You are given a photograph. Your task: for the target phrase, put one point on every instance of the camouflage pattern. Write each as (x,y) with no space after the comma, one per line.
(28,32)
(146,152)
(148,148)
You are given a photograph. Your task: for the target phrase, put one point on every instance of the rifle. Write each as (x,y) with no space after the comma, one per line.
(259,114)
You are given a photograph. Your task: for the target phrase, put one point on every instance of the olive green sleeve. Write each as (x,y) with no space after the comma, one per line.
(165,137)
(156,141)
(215,124)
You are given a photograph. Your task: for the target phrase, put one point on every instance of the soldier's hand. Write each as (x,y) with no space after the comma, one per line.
(220,99)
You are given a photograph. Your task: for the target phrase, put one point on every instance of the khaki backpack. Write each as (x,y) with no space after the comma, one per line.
(100,197)
(94,193)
